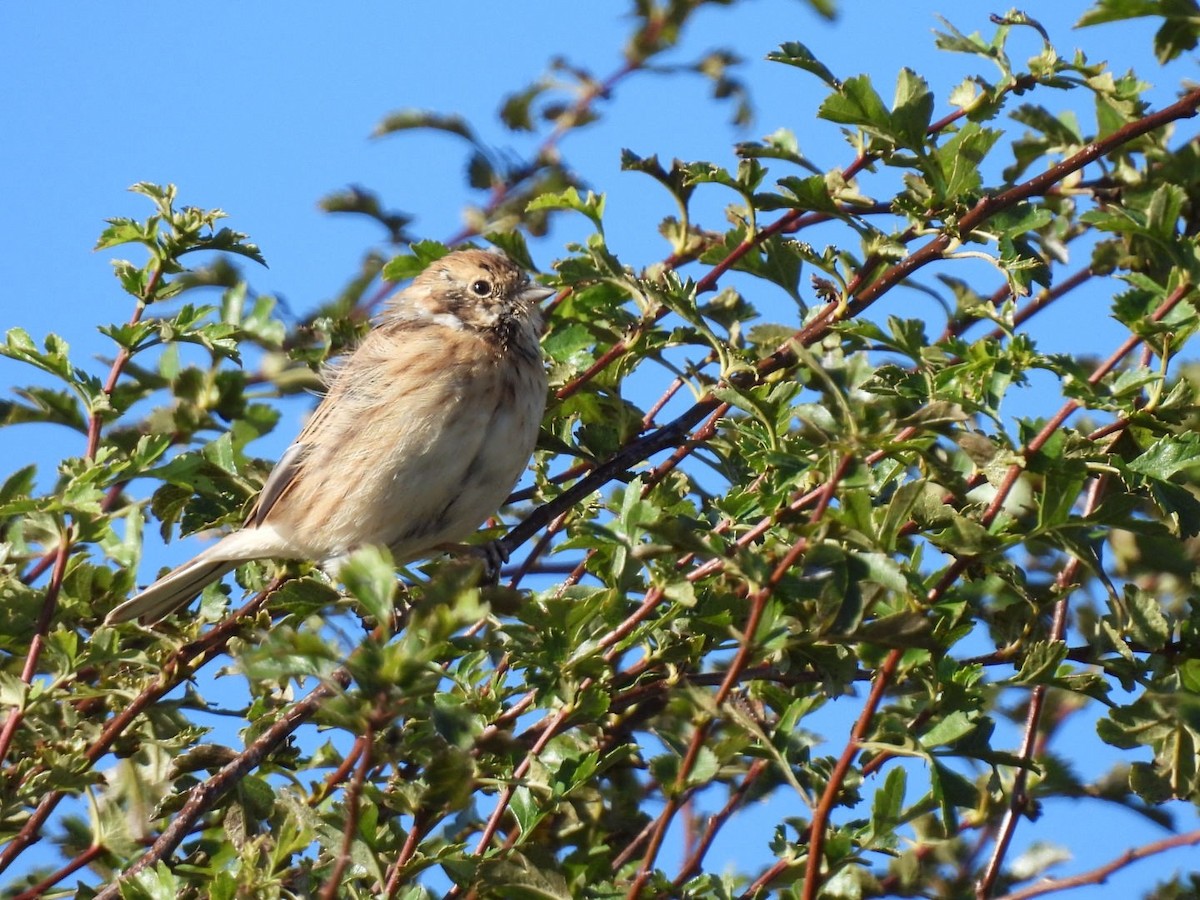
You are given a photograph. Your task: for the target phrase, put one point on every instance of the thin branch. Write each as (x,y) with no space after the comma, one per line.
(86,858)
(204,796)
(506,794)
(695,860)
(333,887)
(1019,798)
(16,715)
(680,791)
(342,772)
(178,668)
(412,840)
(67,537)
(833,788)
(989,206)
(1100,874)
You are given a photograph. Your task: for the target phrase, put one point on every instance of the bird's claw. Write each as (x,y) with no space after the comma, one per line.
(493,555)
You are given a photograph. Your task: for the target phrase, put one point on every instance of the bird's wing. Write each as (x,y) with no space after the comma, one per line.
(277,482)
(289,464)
(333,406)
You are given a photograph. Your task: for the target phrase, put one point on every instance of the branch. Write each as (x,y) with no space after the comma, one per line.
(67,537)
(1019,799)
(737,797)
(179,667)
(333,887)
(86,858)
(758,603)
(204,796)
(1100,874)
(820,820)
(989,206)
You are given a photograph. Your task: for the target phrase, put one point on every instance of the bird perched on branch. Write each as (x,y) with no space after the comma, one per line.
(424,430)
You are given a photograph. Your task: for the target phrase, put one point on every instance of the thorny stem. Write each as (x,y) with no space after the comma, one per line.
(333,887)
(989,205)
(1100,874)
(758,603)
(177,669)
(1019,798)
(67,536)
(202,797)
(16,714)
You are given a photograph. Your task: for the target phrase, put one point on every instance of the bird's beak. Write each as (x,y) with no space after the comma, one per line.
(536,293)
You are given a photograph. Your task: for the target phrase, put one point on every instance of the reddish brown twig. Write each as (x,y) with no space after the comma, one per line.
(178,668)
(692,864)
(66,539)
(1018,801)
(506,795)
(680,790)
(1099,875)
(341,773)
(420,827)
(86,858)
(202,797)
(333,886)
(862,727)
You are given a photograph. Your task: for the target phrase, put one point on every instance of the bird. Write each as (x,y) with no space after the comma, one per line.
(423,431)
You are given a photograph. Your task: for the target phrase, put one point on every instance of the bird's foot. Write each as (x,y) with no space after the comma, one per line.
(493,555)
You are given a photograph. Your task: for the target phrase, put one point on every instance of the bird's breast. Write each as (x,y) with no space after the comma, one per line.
(423,457)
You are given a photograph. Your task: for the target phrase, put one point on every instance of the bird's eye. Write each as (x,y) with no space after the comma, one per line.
(481,288)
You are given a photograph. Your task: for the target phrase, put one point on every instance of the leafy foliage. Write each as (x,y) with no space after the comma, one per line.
(828,510)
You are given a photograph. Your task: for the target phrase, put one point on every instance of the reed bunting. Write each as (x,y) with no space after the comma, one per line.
(424,430)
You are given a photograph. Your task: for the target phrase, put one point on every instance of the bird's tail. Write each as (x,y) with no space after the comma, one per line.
(173,590)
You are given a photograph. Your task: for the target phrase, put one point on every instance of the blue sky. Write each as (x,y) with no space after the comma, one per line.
(261,109)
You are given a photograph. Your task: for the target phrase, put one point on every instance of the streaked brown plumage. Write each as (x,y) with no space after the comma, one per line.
(424,430)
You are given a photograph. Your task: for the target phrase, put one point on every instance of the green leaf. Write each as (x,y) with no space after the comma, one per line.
(912,108)
(793,53)
(44,405)
(1178,35)
(951,792)
(412,119)
(856,102)
(1148,626)
(517,877)
(370,578)
(513,245)
(810,193)
(679,180)
(1169,456)
(1040,663)
(960,159)
(590,205)
(949,729)
(421,254)
(885,810)
(122,231)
